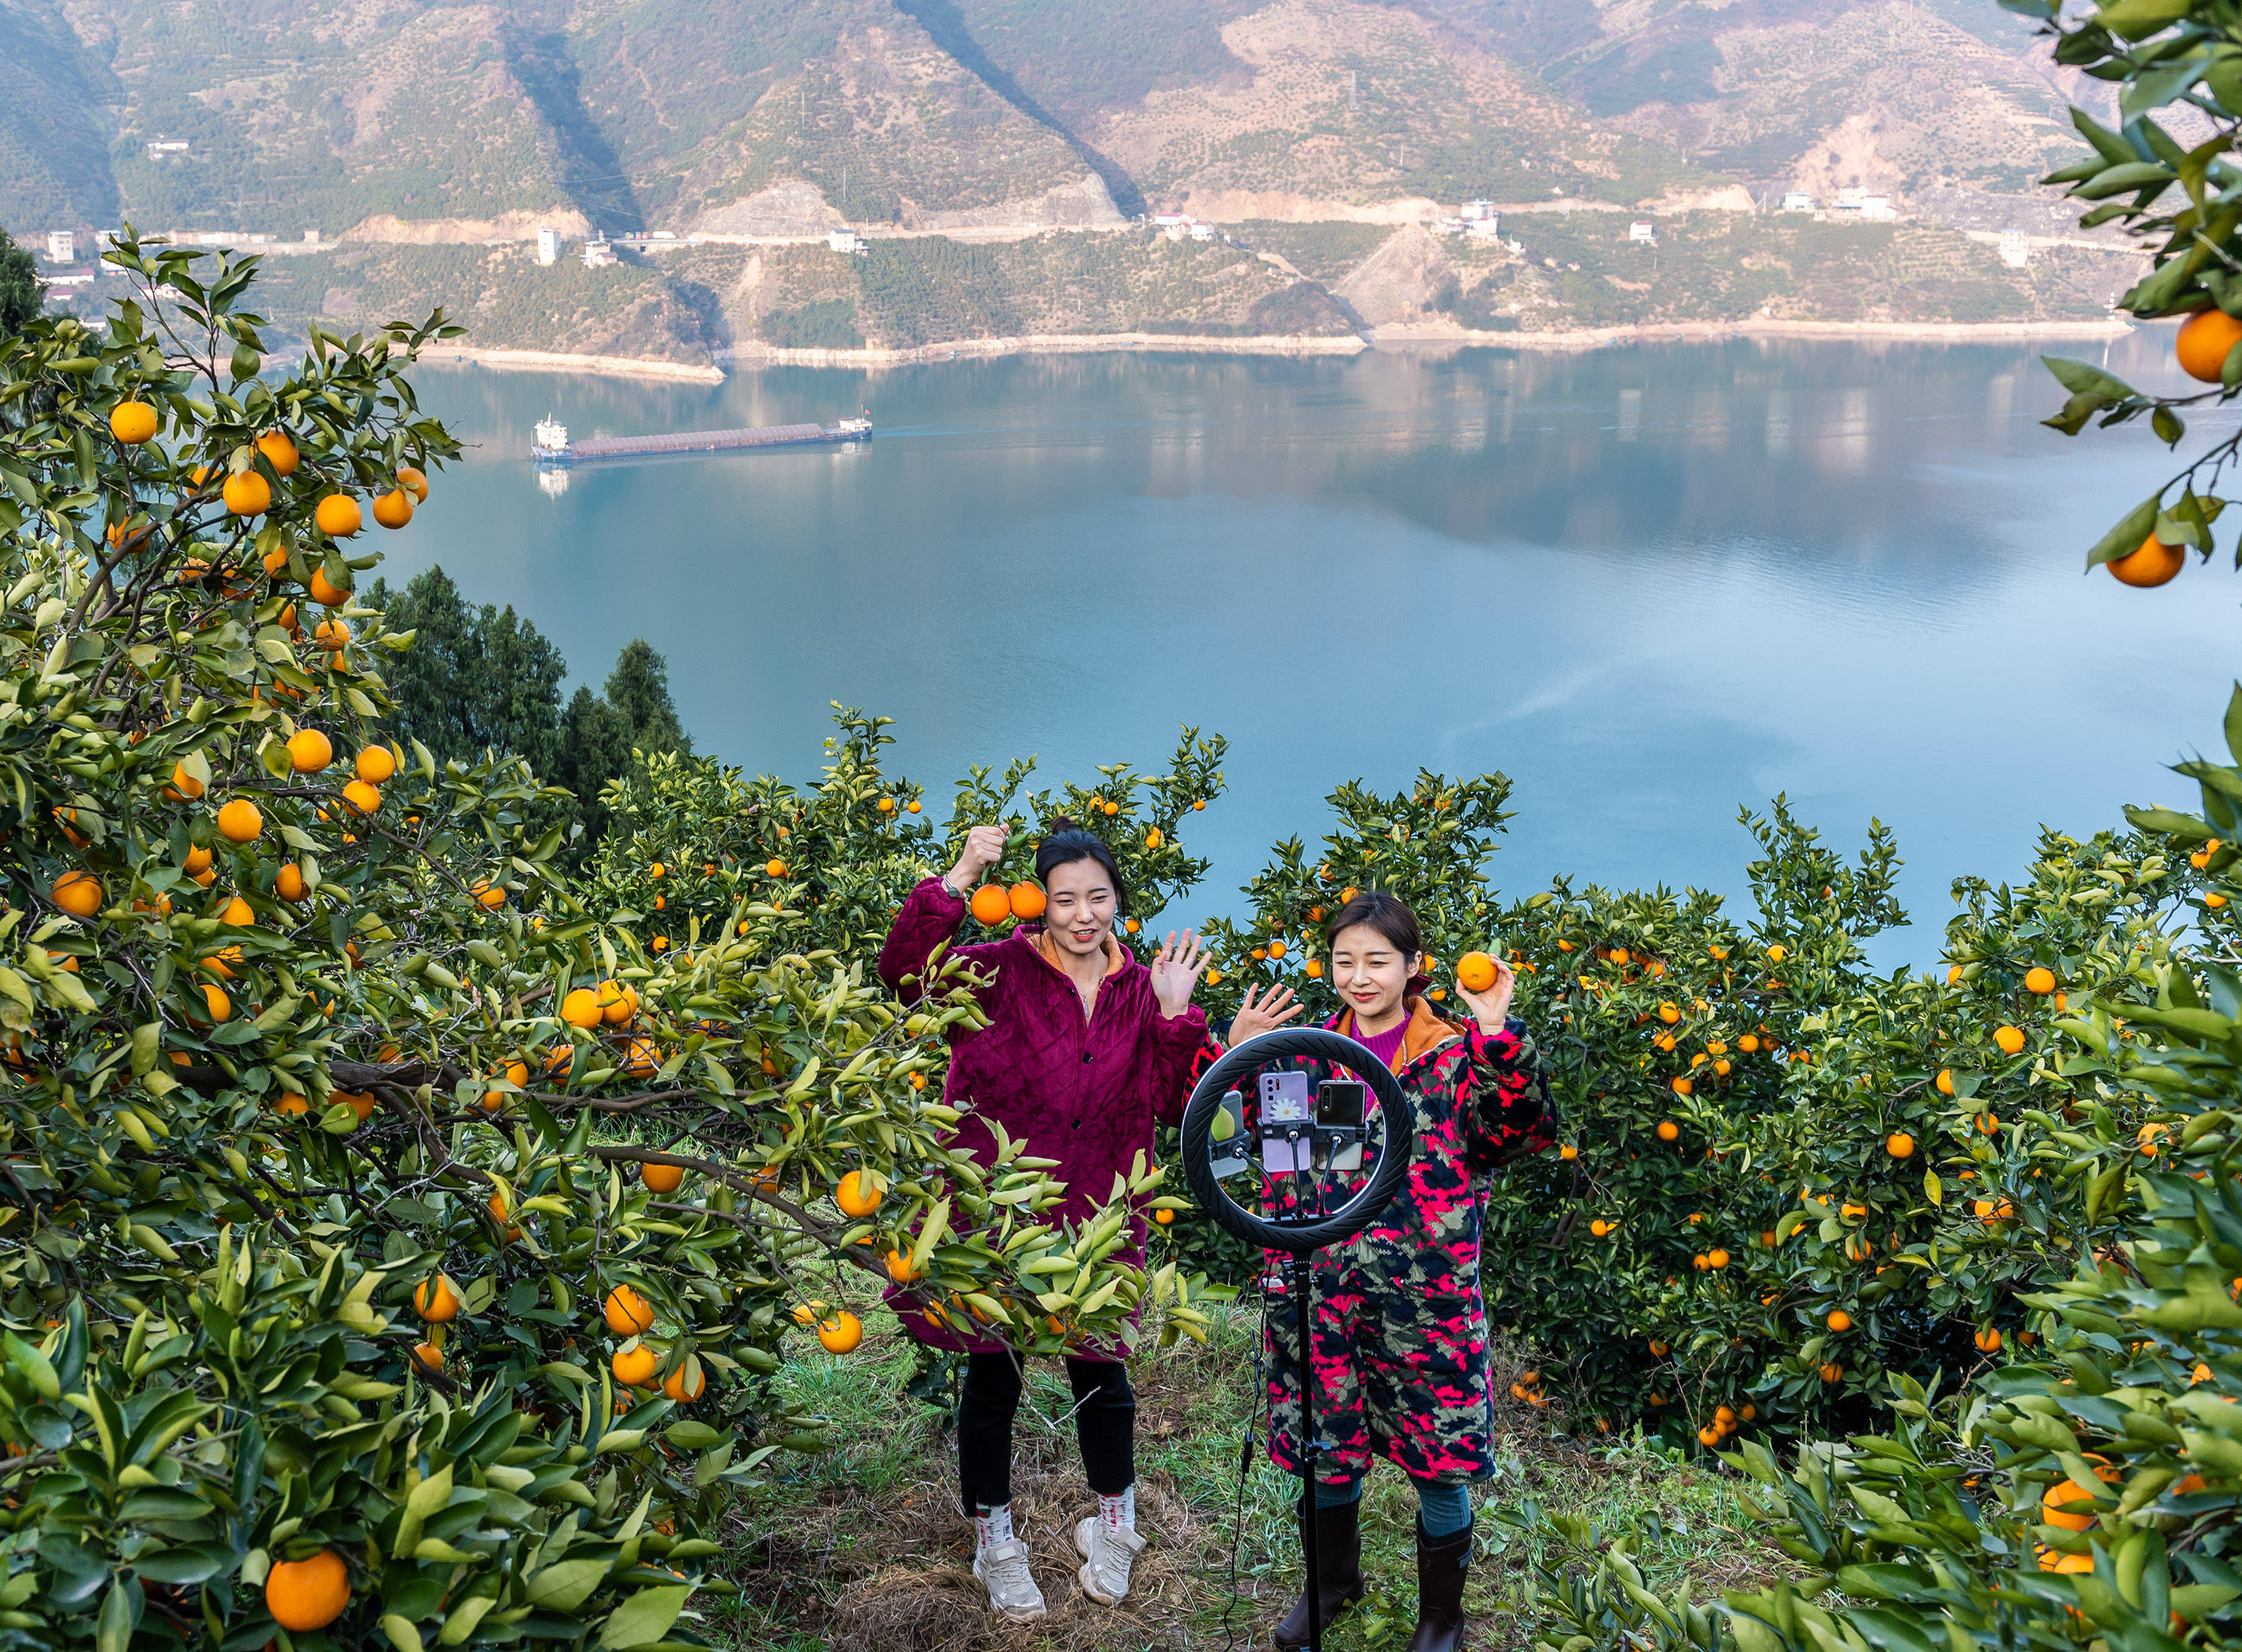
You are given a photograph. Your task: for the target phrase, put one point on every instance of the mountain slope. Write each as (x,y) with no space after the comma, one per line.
(1815,93)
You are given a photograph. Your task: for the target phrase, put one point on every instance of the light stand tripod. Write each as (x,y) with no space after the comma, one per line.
(1310,1146)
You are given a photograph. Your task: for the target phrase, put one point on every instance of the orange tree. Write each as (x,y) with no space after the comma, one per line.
(332,1299)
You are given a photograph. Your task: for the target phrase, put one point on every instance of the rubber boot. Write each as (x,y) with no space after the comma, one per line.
(1442,1565)
(1338,1573)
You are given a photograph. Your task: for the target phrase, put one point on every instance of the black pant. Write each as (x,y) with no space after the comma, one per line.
(1104,1421)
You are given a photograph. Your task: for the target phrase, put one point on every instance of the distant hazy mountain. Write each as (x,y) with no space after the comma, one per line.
(398,120)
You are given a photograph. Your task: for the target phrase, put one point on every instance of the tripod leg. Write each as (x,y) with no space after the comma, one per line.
(1303,1316)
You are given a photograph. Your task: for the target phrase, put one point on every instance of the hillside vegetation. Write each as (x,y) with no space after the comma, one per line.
(473,122)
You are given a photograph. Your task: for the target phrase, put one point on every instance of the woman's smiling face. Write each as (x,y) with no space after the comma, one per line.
(1079,901)
(1370,973)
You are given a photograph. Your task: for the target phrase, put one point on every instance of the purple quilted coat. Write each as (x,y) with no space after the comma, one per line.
(1084,1090)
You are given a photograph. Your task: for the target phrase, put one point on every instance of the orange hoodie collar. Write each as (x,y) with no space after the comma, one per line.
(1115,959)
(1425,1030)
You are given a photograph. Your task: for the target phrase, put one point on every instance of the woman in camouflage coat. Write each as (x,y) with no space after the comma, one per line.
(1399,1360)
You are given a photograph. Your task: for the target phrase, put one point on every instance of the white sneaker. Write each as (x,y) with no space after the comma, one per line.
(1013,1591)
(1107,1556)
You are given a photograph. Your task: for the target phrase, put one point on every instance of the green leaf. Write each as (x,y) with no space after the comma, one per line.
(566,1586)
(2079,376)
(113,1631)
(642,1619)
(2125,538)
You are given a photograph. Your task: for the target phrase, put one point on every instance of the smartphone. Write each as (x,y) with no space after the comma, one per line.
(1228,1133)
(1340,1105)
(1288,1140)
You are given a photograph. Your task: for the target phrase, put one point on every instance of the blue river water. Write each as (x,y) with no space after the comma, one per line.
(1651,584)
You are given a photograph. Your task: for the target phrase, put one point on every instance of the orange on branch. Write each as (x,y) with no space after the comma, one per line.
(2154,564)
(436,1299)
(629,1313)
(308,1594)
(2203,342)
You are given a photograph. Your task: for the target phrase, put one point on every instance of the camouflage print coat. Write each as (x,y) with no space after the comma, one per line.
(1401,1359)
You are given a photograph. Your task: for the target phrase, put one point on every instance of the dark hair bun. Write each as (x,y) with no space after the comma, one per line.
(1064,823)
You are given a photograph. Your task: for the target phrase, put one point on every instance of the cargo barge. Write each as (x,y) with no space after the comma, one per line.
(551,444)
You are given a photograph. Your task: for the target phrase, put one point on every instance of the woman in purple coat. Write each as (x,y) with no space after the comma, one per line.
(1086,1050)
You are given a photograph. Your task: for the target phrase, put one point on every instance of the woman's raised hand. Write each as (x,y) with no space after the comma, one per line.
(984,847)
(1176,970)
(1491,1008)
(1272,1011)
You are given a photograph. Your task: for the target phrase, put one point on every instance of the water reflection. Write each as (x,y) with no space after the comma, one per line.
(1651,585)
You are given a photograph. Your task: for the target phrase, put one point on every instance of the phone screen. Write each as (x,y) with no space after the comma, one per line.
(1339,1103)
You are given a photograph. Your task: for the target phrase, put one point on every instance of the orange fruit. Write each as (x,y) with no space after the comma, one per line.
(241,821)
(428,1357)
(775,867)
(618,1003)
(2052,1511)
(687,1382)
(581,1007)
(436,1299)
(247,494)
(1946,1081)
(2011,1039)
(629,1313)
(132,423)
(278,449)
(1900,1145)
(415,481)
(858,1195)
(184,783)
(900,1268)
(237,913)
(1988,1341)
(1568,1151)
(841,1333)
(661,1178)
(2039,980)
(514,1072)
(1832,1372)
(393,509)
(365,799)
(1475,971)
(307,1593)
(78,893)
(375,765)
(309,750)
(1165,1218)
(215,1000)
(1313,969)
(2154,564)
(991,904)
(326,595)
(1667,1130)
(2204,340)
(1839,1320)
(1717,1259)
(1025,901)
(488,895)
(633,1366)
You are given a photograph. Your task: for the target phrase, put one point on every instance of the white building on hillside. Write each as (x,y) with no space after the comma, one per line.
(62,245)
(1643,230)
(1797,201)
(1478,212)
(598,255)
(846,241)
(548,245)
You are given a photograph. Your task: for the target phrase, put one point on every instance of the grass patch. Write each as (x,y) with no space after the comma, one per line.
(865,1547)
